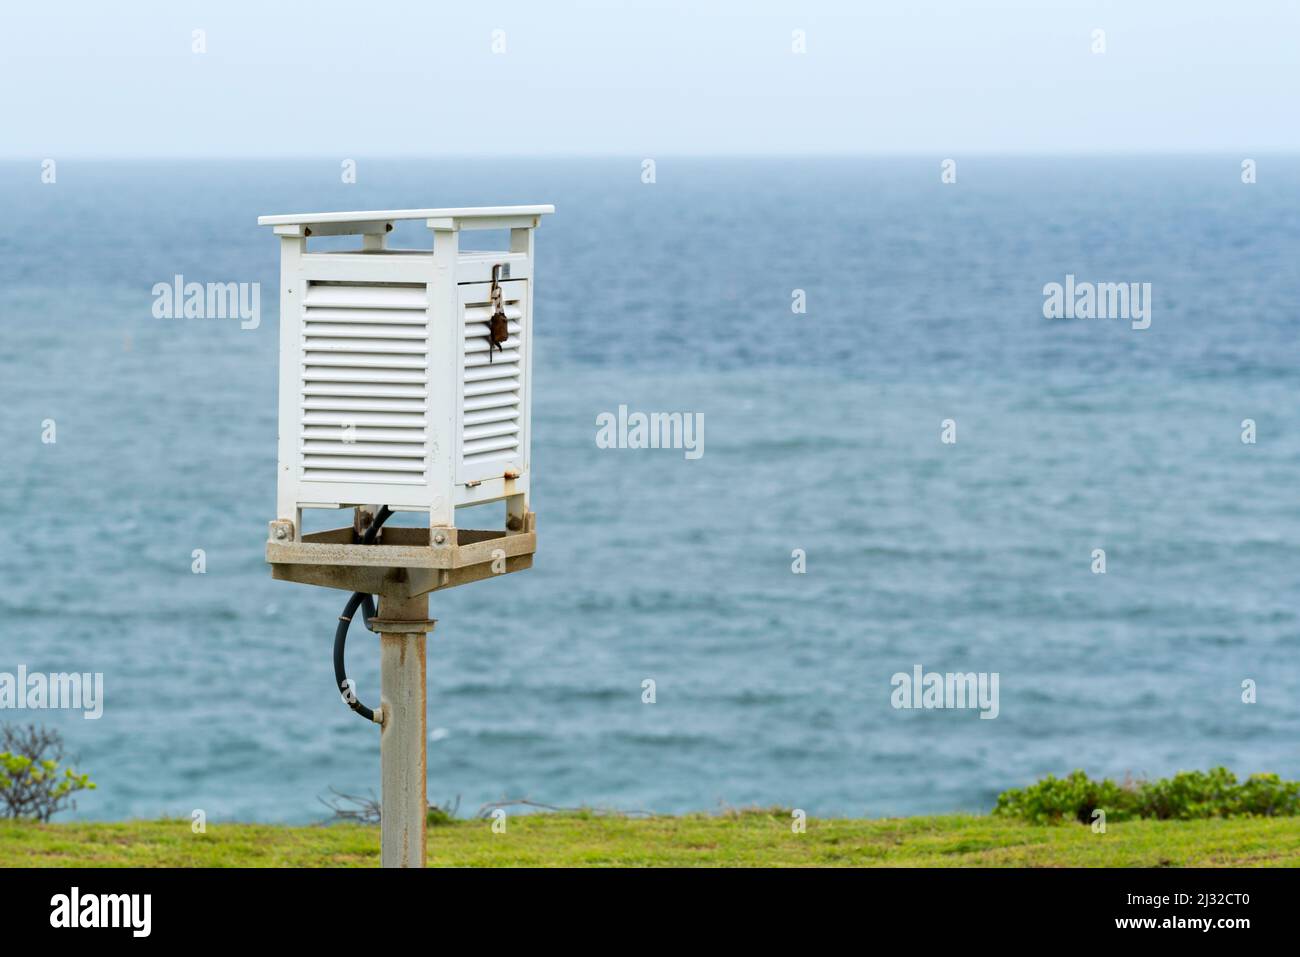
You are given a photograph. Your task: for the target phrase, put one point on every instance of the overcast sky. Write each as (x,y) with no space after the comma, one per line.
(421,78)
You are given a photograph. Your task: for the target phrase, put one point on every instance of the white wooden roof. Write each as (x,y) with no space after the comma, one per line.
(389,215)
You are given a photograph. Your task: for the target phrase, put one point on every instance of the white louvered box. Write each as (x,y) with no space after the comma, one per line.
(392,388)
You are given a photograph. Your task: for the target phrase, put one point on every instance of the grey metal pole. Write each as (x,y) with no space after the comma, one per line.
(404,805)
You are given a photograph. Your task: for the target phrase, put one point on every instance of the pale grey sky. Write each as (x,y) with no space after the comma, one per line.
(401,78)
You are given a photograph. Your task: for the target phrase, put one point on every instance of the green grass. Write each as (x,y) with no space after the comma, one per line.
(749,838)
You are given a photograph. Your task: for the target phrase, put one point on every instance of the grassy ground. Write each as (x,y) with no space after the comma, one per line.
(751,838)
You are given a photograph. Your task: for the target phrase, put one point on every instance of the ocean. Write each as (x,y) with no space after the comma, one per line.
(823,438)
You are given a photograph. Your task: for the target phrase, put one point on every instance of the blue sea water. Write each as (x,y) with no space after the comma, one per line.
(822,433)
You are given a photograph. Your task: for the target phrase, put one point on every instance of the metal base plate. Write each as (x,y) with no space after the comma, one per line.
(405,562)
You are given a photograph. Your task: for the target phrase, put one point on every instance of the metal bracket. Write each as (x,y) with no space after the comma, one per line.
(393,626)
(407,562)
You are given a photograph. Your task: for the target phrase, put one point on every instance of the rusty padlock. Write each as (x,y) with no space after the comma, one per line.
(498,327)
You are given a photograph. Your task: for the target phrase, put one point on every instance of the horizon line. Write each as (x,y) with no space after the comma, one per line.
(845,155)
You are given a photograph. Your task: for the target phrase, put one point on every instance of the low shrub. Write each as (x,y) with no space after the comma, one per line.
(33,785)
(1186,796)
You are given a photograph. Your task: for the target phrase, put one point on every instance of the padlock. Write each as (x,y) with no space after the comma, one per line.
(498,327)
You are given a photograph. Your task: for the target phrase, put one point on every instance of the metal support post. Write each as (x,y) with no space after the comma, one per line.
(402,625)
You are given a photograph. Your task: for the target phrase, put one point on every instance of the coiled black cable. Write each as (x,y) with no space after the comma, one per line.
(367,605)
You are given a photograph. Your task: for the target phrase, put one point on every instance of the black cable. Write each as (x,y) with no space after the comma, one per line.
(366,603)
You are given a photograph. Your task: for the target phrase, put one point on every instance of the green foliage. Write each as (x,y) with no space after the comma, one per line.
(1074,797)
(1188,795)
(441,815)
(31,785)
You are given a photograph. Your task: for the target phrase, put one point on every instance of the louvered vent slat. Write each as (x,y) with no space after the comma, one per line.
(492,390)
(490,415)
(486,446)
(364,390)
(490,429)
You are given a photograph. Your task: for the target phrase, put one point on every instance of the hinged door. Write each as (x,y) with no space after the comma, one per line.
(493,414)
